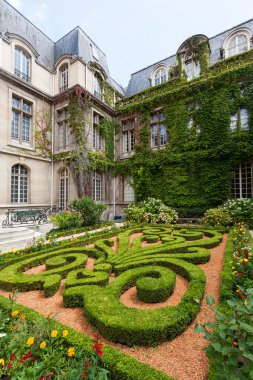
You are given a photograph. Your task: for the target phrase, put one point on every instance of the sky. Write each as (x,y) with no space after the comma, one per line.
(135,33)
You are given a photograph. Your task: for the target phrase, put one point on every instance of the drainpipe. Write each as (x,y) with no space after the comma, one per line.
(52,151)
(114,181)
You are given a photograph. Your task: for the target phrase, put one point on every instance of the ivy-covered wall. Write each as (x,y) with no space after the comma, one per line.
(195,169)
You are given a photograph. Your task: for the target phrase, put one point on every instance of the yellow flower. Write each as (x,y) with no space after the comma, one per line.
(245,302)
(15,313)
(30,341)
(65,333)
(2,362)
(71,351)
(245,260)
(54,333)
(43,344)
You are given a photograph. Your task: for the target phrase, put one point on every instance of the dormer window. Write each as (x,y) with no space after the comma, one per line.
(237,45)
(192,67)
(159,75)
(22,64)
(238,42)
(64,77)
(97,85)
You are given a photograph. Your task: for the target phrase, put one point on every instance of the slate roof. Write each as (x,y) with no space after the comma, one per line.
(139,80)
(76,42)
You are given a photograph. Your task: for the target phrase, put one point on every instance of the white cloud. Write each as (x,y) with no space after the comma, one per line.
(16,3)
(40,12)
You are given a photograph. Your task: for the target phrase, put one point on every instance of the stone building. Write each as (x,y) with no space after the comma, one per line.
(50,155)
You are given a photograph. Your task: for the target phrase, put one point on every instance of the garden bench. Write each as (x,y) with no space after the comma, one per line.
(24,216)
(188,221)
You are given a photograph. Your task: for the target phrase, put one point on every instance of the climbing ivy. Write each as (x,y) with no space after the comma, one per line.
(195,169)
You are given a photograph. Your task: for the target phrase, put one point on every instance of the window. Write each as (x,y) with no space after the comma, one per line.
(128,136)
(22,64)
(62,122)
(96,190)
(237,44)
(128,189)
(158,130)
(97,86)
(64,78)
(97,139)
(240,118)
(160,76)
(21,119)
(64,188)
(192,67)
(19,184)
(242,181)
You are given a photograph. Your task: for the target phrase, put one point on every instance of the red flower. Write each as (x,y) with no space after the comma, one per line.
(34,358)
(28,355)
(12,357)
(9,365)
(83,375)
(23,359)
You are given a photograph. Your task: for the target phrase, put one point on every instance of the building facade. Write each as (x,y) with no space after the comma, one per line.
(67,129)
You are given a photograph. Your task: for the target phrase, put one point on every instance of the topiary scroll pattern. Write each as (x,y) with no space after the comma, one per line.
(152,268)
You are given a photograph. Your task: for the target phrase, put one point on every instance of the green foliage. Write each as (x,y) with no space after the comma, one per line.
(35,351)
(90,211)
(240,210)
(217,217)
(230,348)
(108,128)
(230,341)
(150,210)
(120,365)
(233,211)
(194,171)
(67,219)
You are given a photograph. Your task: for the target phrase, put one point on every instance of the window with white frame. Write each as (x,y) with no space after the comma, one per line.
(21,119)
(242,181)
(160,76)
(97,86)
(237,44)
(192,67)
(62,127)
(239,119)
(19,184)
(96,188)
(97,138)
(64,77)
(158,130)
(22,64)
(128,136)
(64,189)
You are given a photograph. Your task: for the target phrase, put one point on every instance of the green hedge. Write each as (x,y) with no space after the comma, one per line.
(130,326)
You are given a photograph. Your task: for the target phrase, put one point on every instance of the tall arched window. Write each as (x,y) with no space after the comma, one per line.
(238,44)
(160,76)
(19,184)
(22,64)
(96,188)
(64,77)
(64,188)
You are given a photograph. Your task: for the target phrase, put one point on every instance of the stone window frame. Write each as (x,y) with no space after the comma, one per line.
(242,31)
(156,79)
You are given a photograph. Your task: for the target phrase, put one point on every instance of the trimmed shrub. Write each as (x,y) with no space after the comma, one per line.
(67,219)
(89,209)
